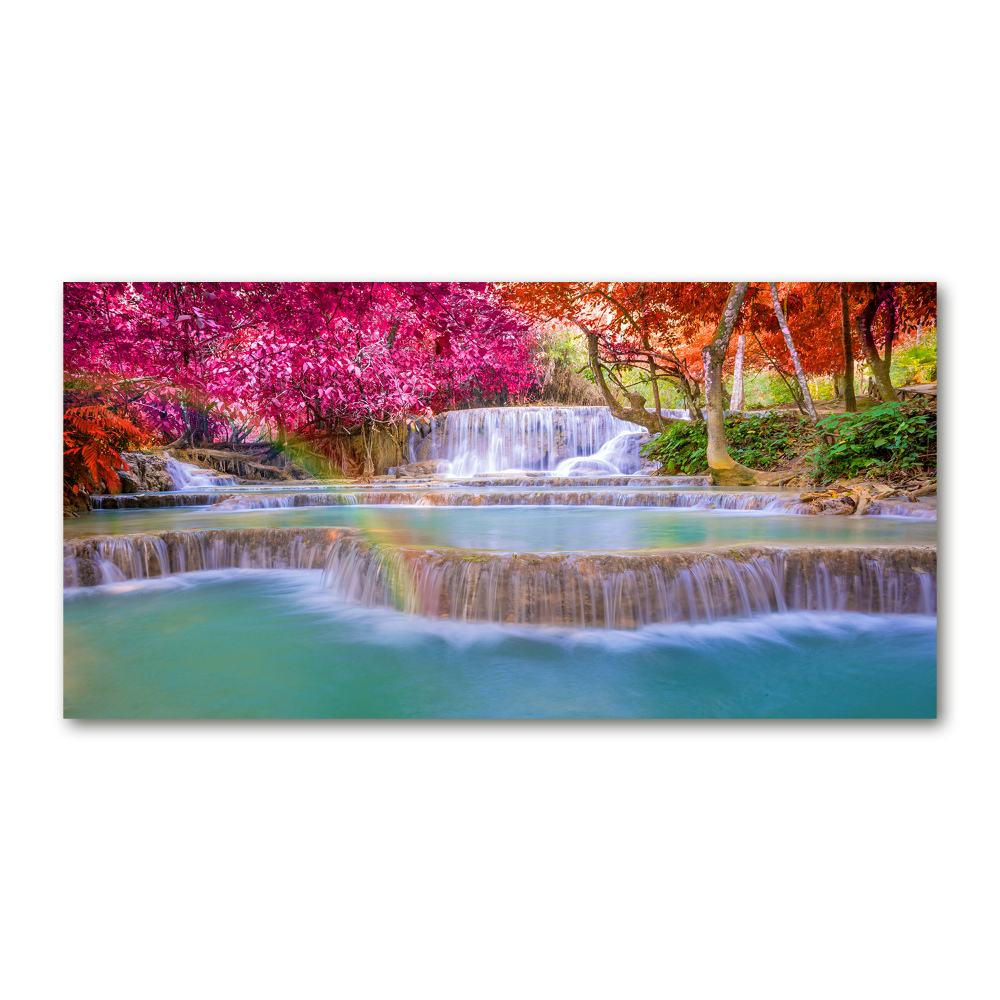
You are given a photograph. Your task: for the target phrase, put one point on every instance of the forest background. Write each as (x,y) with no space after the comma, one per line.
(337,373)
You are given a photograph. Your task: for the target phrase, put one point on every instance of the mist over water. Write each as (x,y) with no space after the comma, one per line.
(275,644)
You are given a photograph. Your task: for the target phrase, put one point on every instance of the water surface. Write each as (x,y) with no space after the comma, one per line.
(246,644)
(534,528)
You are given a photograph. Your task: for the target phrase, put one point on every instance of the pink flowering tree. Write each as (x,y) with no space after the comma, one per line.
(228,360)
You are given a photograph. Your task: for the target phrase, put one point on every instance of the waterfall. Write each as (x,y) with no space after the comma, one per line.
(629,591)
(191,477)
(88,562)
(902,510)
(620,454)
(126,501)
(610,590)
(610,498)
(536,438)
(551,481)
(255,501)
(774,503)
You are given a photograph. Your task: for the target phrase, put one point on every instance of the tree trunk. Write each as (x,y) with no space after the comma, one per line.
(656,393)
(186,440)
(879,366)
(799,373)
(781,374)
(850,403)
(637,412)
(736,402)
(724,469)
(690,394)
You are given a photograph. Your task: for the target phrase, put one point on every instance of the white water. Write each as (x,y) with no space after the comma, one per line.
(567,440)
(614,590)
(626,591)
(615,457)
(191,477)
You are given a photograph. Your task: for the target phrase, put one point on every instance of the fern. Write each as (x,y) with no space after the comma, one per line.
(94,437)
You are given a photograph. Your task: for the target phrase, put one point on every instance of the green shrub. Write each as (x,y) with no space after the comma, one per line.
(886,440)
(916,363)
(760,441)
(680,449)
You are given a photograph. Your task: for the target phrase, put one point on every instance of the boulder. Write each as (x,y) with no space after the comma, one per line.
(79,571)
(76,504)
(128,480)
(424,449)
(144,473)
(432,467)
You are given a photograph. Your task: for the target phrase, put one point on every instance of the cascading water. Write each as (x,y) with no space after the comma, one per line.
(610,590)
(123,501)
(106,559)
(538,438)
(630,591)
(545,491)
(620,454)
(262,502)
(191,477)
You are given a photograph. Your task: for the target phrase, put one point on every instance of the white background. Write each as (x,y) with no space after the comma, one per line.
(525,140)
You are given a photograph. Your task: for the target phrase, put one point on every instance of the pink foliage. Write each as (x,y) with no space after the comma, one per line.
(296,357)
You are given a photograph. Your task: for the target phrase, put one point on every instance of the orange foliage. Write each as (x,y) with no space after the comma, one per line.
(664,325)
(93,439)
(813,310)
(656,326)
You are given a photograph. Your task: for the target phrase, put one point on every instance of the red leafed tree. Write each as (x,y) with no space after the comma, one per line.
(834,323)
(94,436)
(652,327)
(662,327)
(892,311)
